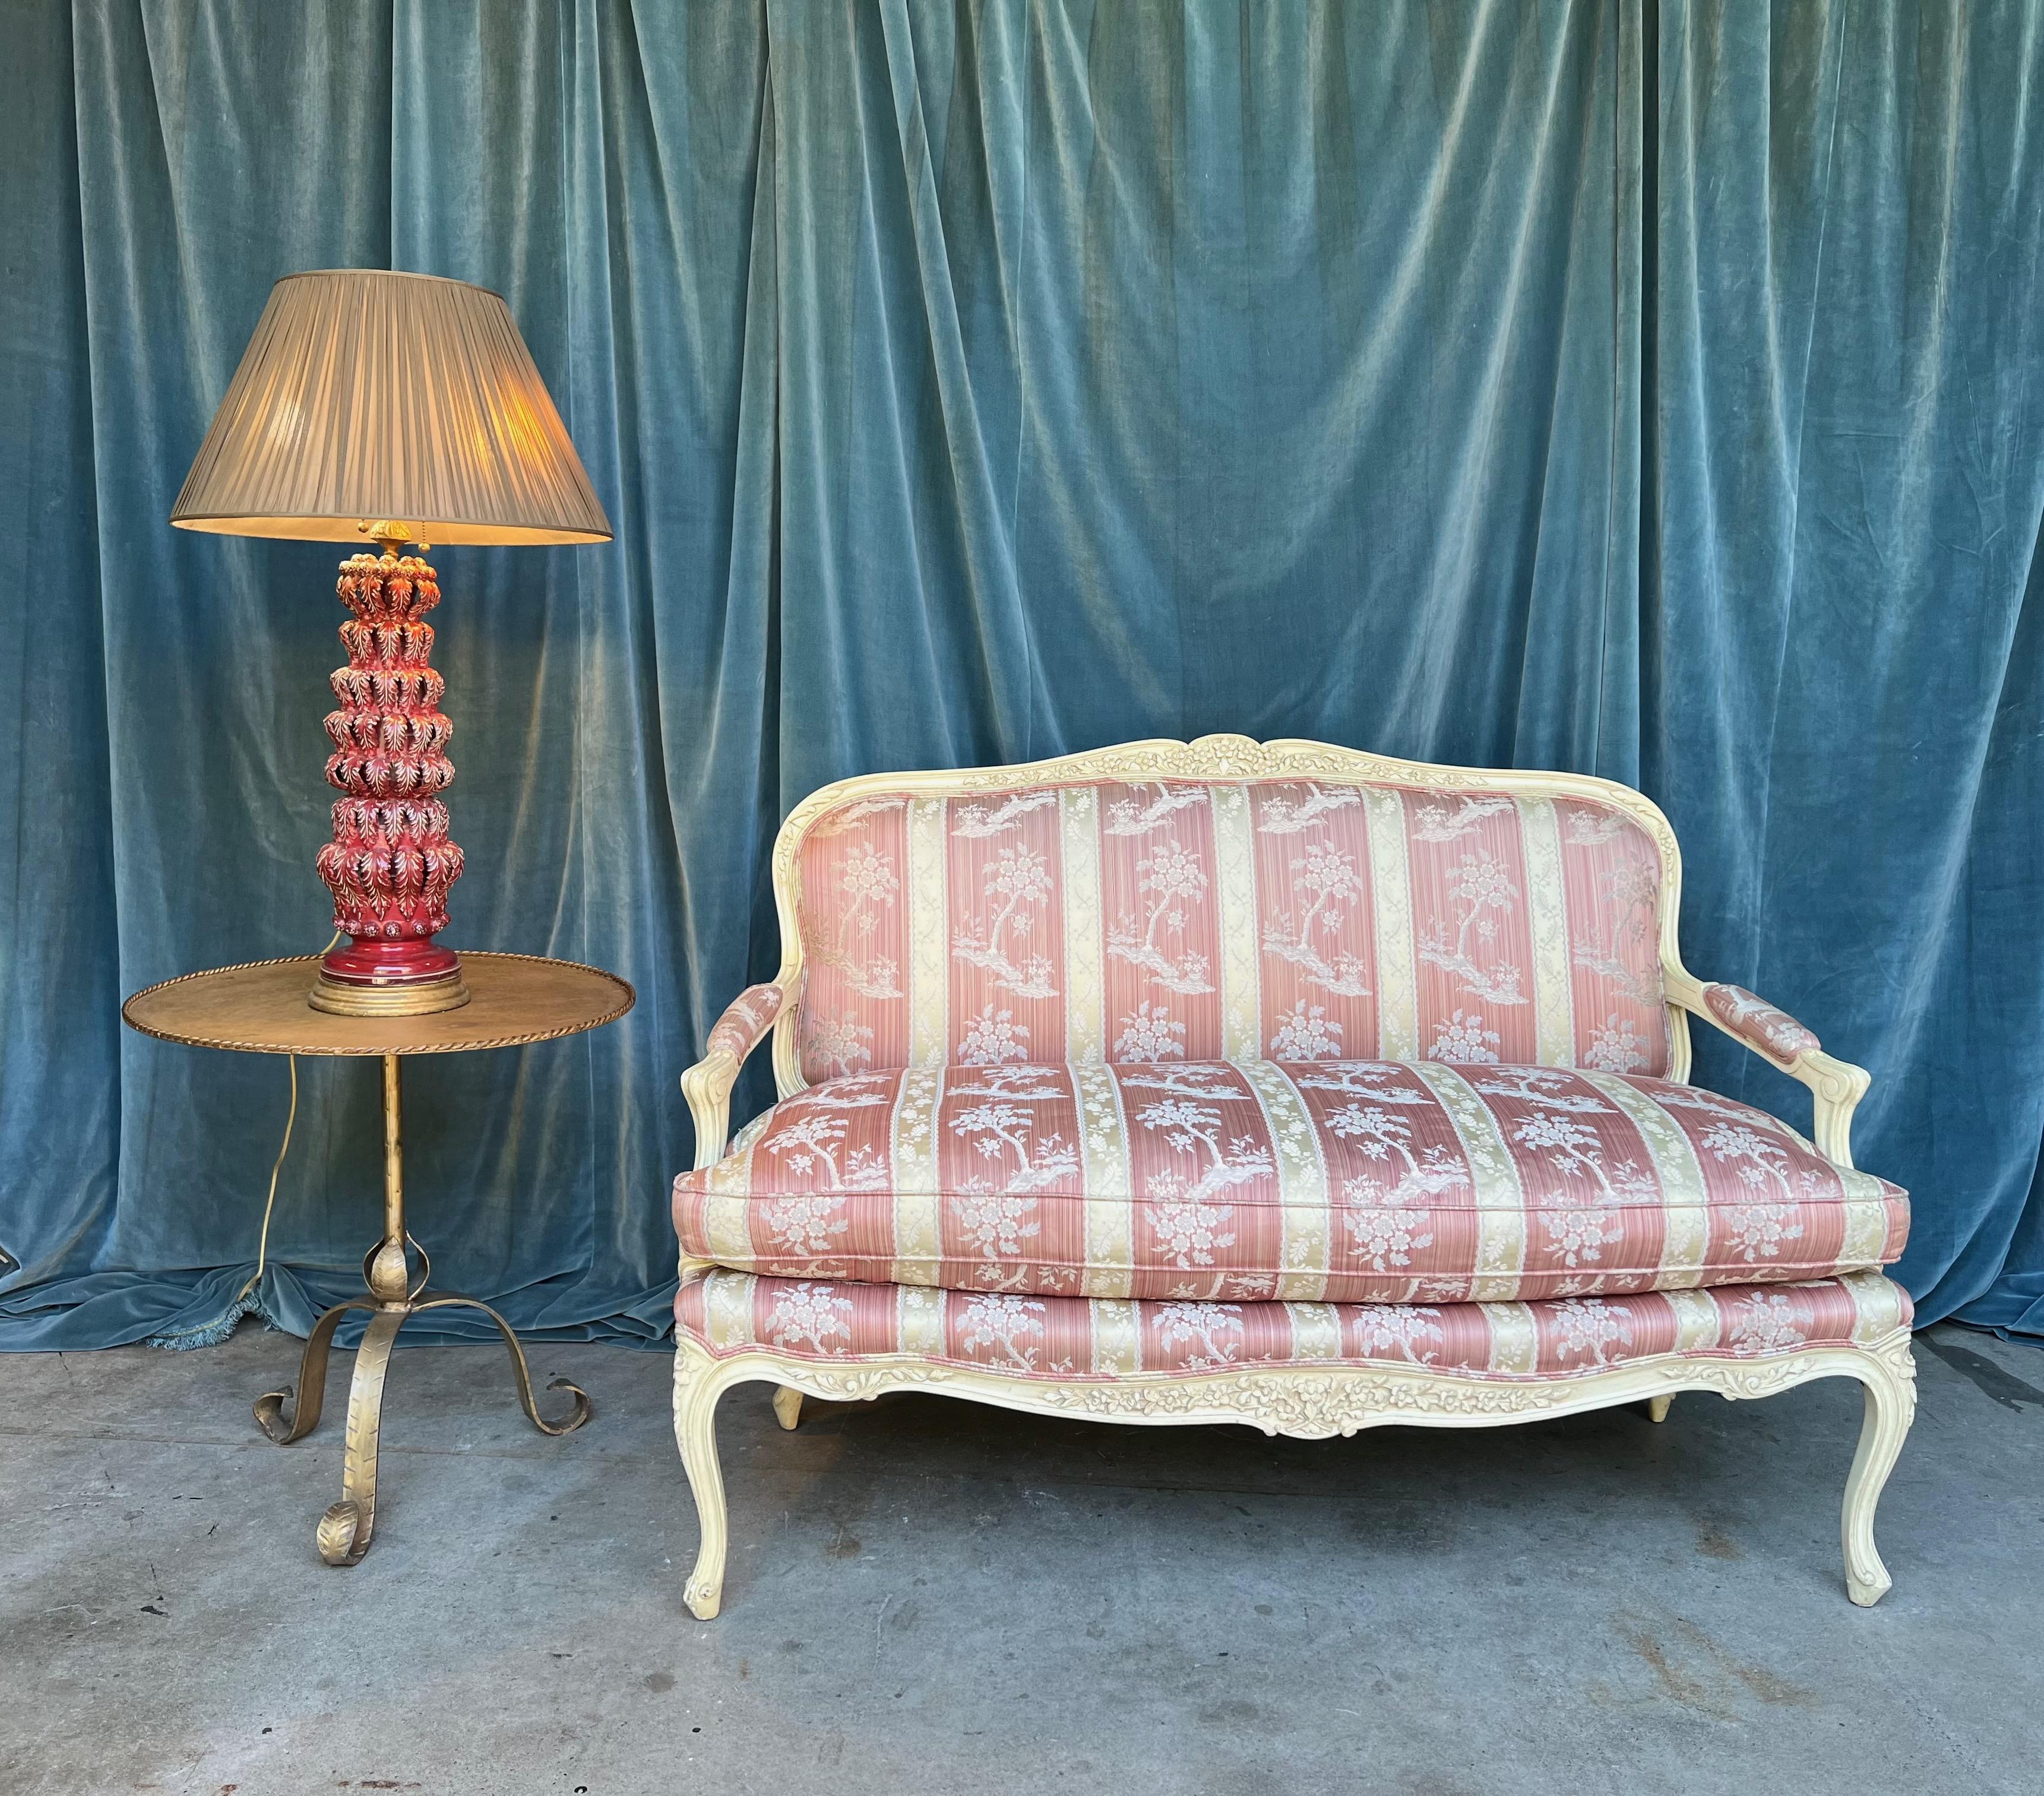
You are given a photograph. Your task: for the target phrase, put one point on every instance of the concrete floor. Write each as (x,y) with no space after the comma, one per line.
(930,1596)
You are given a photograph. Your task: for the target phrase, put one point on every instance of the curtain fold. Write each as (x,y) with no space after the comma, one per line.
(1850,425)
(1652,392)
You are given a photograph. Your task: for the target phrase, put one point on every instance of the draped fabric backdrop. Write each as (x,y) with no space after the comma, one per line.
(1652,392)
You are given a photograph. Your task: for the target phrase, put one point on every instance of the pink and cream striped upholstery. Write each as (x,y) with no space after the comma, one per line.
(1283,920)
(1340,1181)
(1076,1337)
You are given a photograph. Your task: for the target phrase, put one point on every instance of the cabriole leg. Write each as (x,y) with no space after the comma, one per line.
(1658,1407)
(787,1406)
(1890,1404)
(695,1433)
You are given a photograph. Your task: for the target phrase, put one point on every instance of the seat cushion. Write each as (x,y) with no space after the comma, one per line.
(1326,1181)
(1073,1337)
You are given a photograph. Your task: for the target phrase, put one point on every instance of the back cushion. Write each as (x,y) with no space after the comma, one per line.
(1277,919)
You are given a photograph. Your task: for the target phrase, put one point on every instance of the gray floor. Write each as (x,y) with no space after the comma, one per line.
(928,1596)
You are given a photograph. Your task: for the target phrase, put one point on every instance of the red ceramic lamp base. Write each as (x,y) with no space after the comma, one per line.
(391,861)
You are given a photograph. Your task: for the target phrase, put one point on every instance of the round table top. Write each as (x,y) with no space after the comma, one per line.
(262,1008)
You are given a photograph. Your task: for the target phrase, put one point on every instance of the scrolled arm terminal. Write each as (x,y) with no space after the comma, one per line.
(1836,1085)
(707,1084)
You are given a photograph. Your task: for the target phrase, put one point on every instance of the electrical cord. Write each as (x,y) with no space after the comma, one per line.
(277,1168)
(210,1333)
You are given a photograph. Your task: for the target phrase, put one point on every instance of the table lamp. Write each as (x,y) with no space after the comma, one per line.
(388,408)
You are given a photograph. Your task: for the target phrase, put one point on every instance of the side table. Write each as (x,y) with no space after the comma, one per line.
(261,1008)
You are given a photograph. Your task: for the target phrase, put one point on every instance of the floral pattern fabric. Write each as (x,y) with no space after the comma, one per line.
(1330,1181)
(1758,1023)
(1283,920)
(1070,1337)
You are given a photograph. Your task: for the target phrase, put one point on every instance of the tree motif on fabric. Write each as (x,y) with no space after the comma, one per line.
(1381,1082)
(999,1128)
(1757,1231)
(1407,1332)
(1481,890)
(1214,1332)
(1765,1322)
(1574,1147)
(997,1210)
(1755,1021)
(805,1224)
(866,884)
(1385,1238)
(1617,1047)
(1029,1083)
(745,1020)
(1761,1161)
(1587,1328)
(1190,1227)
(1550,1087)
(1017,881)
(1463,1041)
(1170,881)
(810,1315)
(814,1136)
(1578,1235)
(978,821)
(1150,1034)
(1325,883)
(1384,1230)
(1591,829)
(991,1038)
(391,864)
(839,1043)
(1436,823)
(1305,1033)
(1620,944)
(996,1224)
(1282,816)
(1140,815)
(847,817)
(1012,1325)
(1709,1103)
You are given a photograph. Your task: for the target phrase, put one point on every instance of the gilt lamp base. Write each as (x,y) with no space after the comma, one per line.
(381,979)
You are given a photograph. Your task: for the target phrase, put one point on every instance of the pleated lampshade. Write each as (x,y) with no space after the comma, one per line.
(372,403)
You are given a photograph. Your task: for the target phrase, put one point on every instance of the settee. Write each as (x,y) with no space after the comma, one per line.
(1273,1083)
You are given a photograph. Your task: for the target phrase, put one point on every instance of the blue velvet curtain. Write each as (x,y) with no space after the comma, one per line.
(1654,392)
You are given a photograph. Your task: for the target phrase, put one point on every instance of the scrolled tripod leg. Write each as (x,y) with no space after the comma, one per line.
(345,1529)
(582,1409)
(308,1397)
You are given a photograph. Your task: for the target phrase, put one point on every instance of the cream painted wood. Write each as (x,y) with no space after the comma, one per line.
(707,1084)
(1657,1408)
(1310,1402)
(1307,1401)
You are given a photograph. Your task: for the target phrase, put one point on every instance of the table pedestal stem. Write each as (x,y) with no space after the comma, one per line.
(345,1528)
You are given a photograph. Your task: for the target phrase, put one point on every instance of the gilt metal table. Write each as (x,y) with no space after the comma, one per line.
(261,1008)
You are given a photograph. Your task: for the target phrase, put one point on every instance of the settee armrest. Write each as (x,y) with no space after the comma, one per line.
(1836,1085)
(707,1084)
